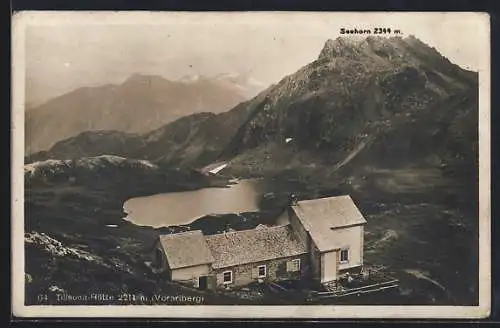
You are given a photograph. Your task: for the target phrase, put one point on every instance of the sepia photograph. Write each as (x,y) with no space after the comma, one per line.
(253,164)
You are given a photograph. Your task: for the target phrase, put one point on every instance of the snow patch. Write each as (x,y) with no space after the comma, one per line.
(147,163)
(56,289)
(110,158)
(218,168)
(53,165)
(190,78)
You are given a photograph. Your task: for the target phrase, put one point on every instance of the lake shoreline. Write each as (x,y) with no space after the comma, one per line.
(234,198)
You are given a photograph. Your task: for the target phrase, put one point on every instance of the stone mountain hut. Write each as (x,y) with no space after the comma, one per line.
(321,240)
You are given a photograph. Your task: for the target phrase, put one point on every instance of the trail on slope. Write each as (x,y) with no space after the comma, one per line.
(352,154)
(420,275)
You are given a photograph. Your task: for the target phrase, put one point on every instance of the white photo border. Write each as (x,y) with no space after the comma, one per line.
(21,20)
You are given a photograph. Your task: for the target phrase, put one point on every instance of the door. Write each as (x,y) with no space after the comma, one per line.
(329,265)
(203,282)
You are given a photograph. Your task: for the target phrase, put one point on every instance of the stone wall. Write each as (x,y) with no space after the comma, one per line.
(276,270)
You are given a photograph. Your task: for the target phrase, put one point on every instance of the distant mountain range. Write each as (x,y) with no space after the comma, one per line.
(140,104)
(241,84)
(189,141)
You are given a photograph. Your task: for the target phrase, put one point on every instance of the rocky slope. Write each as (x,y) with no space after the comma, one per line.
(89,144)
(356,94)
(55,169)
(140,104)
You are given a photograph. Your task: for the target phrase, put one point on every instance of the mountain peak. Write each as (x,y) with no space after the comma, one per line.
(190,79)
(339,47)
(356,47)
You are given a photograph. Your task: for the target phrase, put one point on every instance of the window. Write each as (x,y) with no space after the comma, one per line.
(262,271)
(227,277)
(344,256)
(293,265)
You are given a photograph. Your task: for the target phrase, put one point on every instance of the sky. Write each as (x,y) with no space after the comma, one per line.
(65,51)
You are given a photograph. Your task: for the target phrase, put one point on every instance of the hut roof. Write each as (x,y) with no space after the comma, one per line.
(320,216)
(186,249)
(256,245)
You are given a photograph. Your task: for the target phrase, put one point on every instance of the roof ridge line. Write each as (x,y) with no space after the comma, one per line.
(181,233)
(322,198)
(246,230)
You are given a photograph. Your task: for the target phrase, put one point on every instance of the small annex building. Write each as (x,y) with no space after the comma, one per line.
(320,239)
